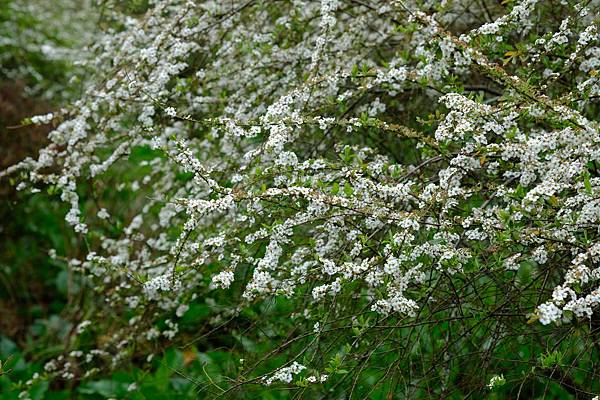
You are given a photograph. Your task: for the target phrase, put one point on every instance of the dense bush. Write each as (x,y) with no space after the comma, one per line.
(334,199)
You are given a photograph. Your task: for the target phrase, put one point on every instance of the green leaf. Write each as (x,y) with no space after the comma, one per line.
(348,189)
(335,189)
(586,182)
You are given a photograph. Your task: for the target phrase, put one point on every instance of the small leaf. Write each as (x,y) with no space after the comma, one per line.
(348,189)
(335,189)
(586,182)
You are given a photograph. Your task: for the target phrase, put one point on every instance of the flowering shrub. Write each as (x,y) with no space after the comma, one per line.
(400,198)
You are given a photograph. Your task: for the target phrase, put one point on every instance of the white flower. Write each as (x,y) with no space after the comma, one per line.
(42,119)
(82,326)
(103,214)
(548,312)
(496,381)
(171,112)
(182,309)
(223,279)
(285,374)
